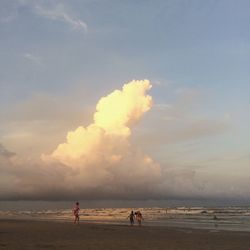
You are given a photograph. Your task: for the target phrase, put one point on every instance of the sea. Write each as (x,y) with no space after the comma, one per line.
(197,217)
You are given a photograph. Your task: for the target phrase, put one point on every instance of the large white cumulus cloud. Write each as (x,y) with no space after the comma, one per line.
(95,161)
(101,154)
(109,132)
(102,161)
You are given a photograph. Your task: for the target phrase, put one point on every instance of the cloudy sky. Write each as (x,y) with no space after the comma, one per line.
(105,99)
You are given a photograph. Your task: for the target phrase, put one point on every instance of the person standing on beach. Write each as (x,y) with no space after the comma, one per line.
(139,217)
(76,211)
(131,218)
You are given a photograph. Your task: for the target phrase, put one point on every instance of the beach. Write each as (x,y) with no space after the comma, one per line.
(28,234)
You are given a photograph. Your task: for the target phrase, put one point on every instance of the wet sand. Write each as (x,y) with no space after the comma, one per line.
(19,234)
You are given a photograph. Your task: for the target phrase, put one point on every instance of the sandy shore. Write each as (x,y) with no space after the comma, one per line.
(15,234)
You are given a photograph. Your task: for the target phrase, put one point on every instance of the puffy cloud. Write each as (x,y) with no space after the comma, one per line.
(102,161)
(101,154)
(107,137)
(97,161)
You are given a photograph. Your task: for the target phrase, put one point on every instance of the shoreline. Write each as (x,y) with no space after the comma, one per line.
(167,224)
(31,234)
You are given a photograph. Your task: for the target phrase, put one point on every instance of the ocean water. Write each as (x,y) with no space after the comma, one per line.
(216,218)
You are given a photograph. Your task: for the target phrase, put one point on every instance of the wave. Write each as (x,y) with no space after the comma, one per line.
(225,218)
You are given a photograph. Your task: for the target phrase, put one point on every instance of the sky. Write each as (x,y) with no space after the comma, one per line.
(124,100)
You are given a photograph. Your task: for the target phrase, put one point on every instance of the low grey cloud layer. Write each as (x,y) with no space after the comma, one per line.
(29,180)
